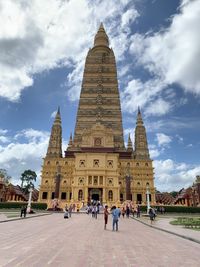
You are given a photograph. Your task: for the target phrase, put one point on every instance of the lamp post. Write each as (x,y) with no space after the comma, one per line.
(128,180)
(148,202)
(29,199)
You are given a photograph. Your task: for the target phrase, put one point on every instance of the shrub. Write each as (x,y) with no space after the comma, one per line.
(177,209)
(17,205)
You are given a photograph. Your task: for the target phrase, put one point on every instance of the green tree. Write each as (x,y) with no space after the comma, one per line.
(27,178)
(174,193)
(4,176)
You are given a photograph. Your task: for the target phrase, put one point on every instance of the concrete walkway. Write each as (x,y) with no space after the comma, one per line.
(81,241)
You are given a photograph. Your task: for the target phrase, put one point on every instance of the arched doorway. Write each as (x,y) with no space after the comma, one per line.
(95,194)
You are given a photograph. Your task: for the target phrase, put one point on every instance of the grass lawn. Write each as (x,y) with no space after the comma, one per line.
(188,222)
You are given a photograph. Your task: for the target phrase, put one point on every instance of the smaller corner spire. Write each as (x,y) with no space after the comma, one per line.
(129,146)
(70,143)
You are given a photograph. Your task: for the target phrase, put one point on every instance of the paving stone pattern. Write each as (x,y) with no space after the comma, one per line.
(81,241)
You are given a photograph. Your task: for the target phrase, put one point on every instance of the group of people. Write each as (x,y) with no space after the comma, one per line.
(93,209)
(116,212)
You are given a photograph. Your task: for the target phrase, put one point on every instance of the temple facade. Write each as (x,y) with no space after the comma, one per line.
(96,164)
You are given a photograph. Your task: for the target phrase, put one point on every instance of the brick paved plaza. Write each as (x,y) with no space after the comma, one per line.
(81,241)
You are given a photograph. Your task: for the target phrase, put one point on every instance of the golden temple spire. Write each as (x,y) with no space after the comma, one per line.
(101,38)
(70,141)
(141,145)
(55,141)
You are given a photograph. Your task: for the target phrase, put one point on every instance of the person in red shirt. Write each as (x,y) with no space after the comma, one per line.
(106,213)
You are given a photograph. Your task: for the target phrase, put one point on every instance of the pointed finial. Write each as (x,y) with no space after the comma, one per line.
(101,25)
(139,117)
(101,38)
(57,117)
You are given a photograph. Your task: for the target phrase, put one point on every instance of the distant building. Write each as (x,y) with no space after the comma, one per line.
(164,198)
(191,196)
(12,193)
(97,165)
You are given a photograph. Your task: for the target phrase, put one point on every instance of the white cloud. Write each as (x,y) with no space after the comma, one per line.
(47,34)
(3,131)
(158,107)
(142,94)
(180,138)
(163,139)
(170,175)
(154,151)
(4,139)
(18,156)
(53,114)
(173,54)
(25,151)
(129,16)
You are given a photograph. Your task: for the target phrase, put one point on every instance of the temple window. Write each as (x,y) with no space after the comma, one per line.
(110,195)
(46,182)
(80,194)
(44,195)
(101,180)
(52,195)
(146,164)
(57,162)
(95,180)
(90,179)
(138,184)
(63,195)
(110,163)
(48,162)
(147,184)
(82,163)
(80,181)
(137,164)
(64,182)
(96,163)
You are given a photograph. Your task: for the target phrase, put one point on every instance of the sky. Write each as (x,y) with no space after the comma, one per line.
(43,45)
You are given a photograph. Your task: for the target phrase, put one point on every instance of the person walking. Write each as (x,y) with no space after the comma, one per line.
(115,215)
(123,212)
(127,211)
(138,211)
(151,215)
(70,210)
(22,211)
(106,213)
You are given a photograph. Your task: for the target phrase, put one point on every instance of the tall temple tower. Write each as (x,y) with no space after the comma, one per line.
(99,98)
(96,165)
